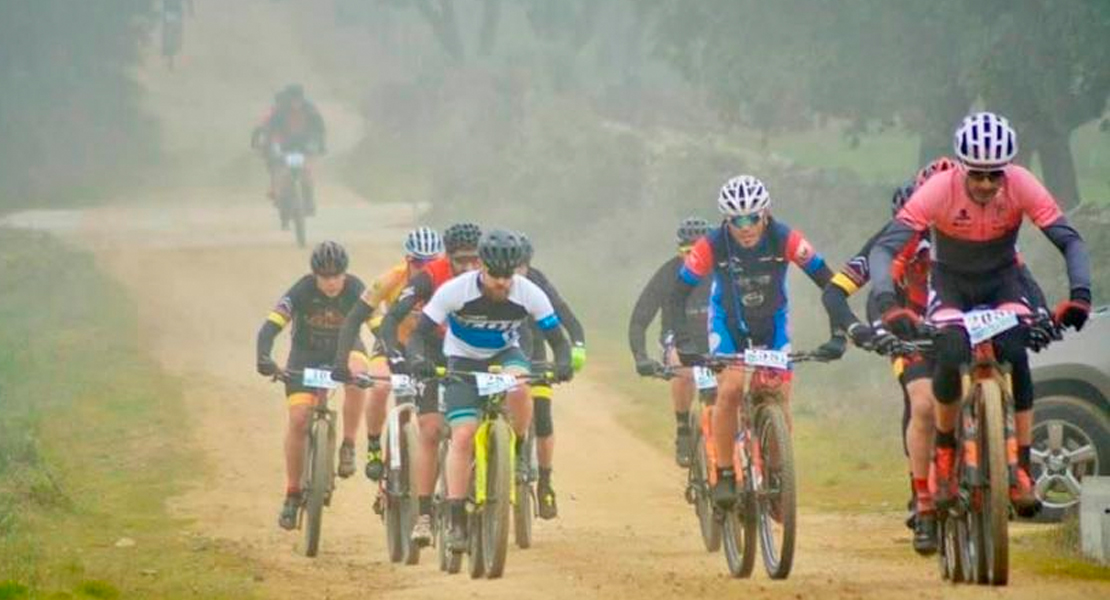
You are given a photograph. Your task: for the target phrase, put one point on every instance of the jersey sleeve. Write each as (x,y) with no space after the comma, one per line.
(800,252)
(538,305)
(923,207)
(1035,200)
(286,306)
(698,263)
(441,304)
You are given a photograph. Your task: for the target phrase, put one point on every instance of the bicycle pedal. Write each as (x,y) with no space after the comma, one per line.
(691,494)
(379,505)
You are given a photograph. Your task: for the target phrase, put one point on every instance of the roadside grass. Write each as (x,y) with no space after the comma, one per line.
(1055,551)
(92,442)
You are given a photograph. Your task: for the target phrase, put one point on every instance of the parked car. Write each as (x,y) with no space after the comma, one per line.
(1071,431)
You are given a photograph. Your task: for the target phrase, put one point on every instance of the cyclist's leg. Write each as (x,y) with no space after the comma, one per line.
(545,426)
(920,432)
(379,396)
(427,460)
(519,399)
(462,404)
(730,388)
(296,432)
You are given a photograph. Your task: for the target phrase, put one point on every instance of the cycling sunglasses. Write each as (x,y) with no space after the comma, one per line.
(499,274)
(994,176)
(742,221)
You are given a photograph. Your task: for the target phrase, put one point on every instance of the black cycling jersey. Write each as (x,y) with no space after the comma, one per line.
(652,299)
(531,339)
(316,318)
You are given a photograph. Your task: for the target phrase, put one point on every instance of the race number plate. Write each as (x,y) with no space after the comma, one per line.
(319,379)
(490,384)
(294,160)
(770,359)
(983,325)
(704,378)
(402,385)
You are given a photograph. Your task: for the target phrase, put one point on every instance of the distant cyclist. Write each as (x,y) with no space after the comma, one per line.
(651,302)
(293,124)
(316,306)
(483,312)
(535,346)
(746,258)
(394,333)
(974,213)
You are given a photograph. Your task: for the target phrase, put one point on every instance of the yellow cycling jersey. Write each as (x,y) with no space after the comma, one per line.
(383,292)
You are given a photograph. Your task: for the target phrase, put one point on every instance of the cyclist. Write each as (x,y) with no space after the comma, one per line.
(422,245)
(974,213)
(746,257)
(650,303)
(483,312)
(393,334)
(316,305)
(535,347)
(294,123)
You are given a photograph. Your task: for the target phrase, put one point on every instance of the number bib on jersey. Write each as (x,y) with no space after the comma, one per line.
(294,160)
(402,385)
(704,378)
(319,379)
(490,384)
(983,325)
(770,359)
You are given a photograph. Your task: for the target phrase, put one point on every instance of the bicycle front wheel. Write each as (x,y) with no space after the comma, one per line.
(495,512)
(775,491)
(318,483)
(738,531)
(995,507)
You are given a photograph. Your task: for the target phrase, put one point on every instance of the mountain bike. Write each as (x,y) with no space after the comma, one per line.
(526,504)
(318,476)
(763,456)
(974,531)
(703,463)
(293,190)
(397,501)
(493,490)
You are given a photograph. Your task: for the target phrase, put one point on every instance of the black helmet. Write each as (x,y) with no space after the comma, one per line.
(461,236)
(529,250)
(901,196)
(293,91)
(329,258)
(502,252)
(690,229)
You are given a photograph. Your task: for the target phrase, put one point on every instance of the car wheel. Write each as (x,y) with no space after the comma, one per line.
(1071,439)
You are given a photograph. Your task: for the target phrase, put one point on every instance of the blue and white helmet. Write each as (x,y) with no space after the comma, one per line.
(743,195)
(986,141)
(423,243)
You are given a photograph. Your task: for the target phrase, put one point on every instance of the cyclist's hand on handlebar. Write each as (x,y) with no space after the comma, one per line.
(342,374)
(832,349)
(863,336)
(578,356)
(689,360)
(1073,313)
(647,367)
(901,321)
(564,372)
(266,366)
(422,367)
(398,365)
(883,342)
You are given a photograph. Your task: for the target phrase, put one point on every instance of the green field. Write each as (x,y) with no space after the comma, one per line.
(91,443)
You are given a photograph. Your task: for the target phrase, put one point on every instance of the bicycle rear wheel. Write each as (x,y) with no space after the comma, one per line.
(996,498)
(495,513)
(408,502)
(523,508)
(318,482)
(449,562)
(775,492)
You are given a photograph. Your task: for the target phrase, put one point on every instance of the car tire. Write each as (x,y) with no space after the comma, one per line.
(1082,422)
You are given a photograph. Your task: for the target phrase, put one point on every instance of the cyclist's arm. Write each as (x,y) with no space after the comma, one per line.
(539,307)
(1041,208)
(278,318)
(566,316)
(697,265)
(442,303)
(424,337)
(647,306)
(890,241)
(850,279)
(419,289)
(800,252)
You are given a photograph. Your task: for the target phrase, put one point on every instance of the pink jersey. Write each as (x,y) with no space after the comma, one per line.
(974,237)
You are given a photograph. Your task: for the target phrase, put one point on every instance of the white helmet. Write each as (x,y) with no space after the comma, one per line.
(986,141)
(743,195)
(423,242)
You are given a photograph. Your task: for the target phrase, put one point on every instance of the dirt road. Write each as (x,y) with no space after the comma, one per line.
(205,262)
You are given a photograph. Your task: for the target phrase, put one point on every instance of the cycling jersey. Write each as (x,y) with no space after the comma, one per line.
(748,298)
(976,239)
(480,328)
(653,299)
(418,291)
(316,318)
(531,340)
(293,128)
(383,293)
